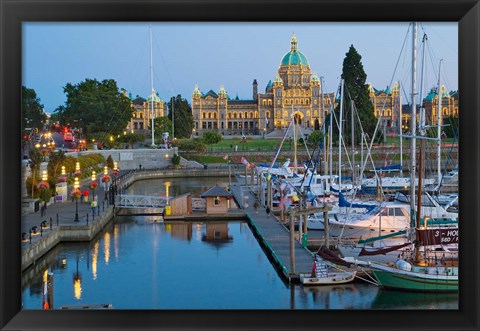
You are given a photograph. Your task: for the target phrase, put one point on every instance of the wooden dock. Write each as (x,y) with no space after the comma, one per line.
(274,237)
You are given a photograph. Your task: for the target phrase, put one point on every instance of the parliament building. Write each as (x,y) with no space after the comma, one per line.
(295,91)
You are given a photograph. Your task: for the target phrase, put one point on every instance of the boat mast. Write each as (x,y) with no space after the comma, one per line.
(421,110)
(330,141)
(413,123)
(323,124)
(400,128)
(439,125)
(295,133)
(353,144)
(151,84)
(340,139)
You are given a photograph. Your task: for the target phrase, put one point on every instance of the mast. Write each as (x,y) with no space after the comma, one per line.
(421,111)
(340,139)
(353,145)
(439,126)
(330,140)
(323,124)
(413,123)
(151,84)
(173,119)
(295,132)
(400,122)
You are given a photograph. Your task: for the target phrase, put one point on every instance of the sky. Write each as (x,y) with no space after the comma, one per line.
(229,54)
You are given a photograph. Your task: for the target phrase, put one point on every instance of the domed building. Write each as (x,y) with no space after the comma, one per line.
(141,117)
(294,91)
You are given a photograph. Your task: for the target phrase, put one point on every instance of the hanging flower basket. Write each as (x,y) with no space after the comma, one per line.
(77,173)
(93,185)
(115,173)
(76,193)
(43,185)
(105,179)
(62,179)
(44,151)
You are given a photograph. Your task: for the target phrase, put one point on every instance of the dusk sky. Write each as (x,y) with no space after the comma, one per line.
(229,54)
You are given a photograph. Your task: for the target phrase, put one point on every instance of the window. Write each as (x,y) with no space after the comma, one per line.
(216,201)
(269,102)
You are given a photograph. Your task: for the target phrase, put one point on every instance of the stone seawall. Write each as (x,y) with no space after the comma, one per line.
(64,233)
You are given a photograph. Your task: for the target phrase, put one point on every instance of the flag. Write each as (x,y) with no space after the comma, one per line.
(225,157)
(266,120)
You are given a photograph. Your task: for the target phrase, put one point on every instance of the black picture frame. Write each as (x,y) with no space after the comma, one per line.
(465,12)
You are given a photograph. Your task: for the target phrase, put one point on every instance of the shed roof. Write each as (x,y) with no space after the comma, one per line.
(216,191)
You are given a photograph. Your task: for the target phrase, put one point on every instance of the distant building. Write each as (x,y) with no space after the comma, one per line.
(142,115)
(294,91)
(449,105)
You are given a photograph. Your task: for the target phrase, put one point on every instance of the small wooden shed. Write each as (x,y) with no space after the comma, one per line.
(218,200)
(181,205)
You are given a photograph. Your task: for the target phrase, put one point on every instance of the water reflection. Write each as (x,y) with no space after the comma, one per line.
(155,264)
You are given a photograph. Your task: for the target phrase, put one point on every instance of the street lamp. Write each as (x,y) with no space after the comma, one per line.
(93,184)
(105,181)
(76,193)
(43,186)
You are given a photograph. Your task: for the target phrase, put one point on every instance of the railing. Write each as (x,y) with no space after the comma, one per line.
(141,201)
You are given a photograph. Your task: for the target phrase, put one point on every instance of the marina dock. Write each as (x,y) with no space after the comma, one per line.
(274,237)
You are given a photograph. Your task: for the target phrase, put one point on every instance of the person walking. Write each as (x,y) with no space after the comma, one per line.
(256,205)
(268,211)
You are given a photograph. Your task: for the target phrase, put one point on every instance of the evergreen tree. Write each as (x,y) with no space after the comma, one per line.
(183,121)
(356,90)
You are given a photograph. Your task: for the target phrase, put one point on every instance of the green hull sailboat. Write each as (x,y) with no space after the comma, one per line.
(419,279)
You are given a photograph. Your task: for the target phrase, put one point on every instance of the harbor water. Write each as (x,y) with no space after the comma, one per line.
(136,263)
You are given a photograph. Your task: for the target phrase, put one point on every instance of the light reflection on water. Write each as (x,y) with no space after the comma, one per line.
(136,264)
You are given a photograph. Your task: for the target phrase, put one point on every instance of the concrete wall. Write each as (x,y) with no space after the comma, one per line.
(132,158)
(64,233)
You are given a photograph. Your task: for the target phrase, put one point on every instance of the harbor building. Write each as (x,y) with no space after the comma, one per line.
(294,91)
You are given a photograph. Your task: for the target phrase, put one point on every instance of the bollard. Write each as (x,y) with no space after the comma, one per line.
(30,236)
(51,221)
(98,210)
(57,219)
(41,230)
(103,206)
(87,218)
(93,214)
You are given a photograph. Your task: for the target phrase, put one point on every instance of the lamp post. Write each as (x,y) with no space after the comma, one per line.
(43,186)
(105,181)
(76,194)
(93,184)
(115,174)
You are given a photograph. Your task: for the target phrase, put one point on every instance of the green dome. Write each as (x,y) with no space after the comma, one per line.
(294,57)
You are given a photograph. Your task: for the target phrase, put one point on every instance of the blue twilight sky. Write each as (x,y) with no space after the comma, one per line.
(229,54)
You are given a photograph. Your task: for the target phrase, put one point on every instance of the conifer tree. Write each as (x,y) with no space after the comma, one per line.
(356,90)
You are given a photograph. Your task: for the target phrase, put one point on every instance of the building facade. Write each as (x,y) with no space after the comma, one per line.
(142,115)
(295,91)
(386,104)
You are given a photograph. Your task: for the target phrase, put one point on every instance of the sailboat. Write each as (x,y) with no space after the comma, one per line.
(417,273)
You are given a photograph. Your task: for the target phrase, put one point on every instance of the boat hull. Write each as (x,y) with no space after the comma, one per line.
(337,278)
(415,282)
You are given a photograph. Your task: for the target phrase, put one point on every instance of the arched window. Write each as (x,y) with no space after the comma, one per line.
(267,114)
(215,115)
(245,115)
(264,102)
(296,101)
(239,115)
(251,114)
(285,114)
(269,102)
(445,111)
(256,114)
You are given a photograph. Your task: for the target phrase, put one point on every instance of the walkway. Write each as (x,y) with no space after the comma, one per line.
(63,213)
(274,236)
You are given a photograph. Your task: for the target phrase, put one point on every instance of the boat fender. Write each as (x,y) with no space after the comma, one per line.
(403,265)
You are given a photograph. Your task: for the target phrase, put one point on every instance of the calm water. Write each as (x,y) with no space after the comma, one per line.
(135,264)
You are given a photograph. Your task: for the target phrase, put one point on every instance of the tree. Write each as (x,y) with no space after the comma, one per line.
(183,116)
(356,90)
(162,124)
(35,159)
(100,106)
(55,161)
(315,138)
(110,163)
(212,137)
(32,110)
